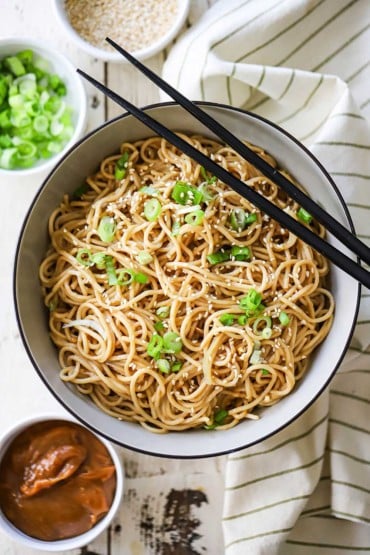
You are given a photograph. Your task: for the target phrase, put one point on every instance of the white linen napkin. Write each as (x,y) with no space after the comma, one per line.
(306,66)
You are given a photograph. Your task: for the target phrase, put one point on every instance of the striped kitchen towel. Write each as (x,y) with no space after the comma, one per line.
(305,65)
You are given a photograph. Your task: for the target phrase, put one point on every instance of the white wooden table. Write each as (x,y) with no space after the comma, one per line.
(147,522)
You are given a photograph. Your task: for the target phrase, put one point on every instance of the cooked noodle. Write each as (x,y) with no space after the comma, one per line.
(221,371)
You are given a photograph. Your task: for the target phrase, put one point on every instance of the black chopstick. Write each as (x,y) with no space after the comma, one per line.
(330,223)
(327,250)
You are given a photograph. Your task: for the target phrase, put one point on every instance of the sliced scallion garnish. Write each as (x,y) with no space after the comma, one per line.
(220,256)
(163,365)
(227,319)
(83,256)
(209,179)
(251,303)
(98,258)
(149,190)
(284,318)
(251,218)
(304,216)
(175,228)
(184,194)
(176,366)
(266,320)
(163,312)
(242,319)
(219,418)
(194,218)
(121,166)
(172,342)
(144,258)
(155,346)
(126,276)
(31,109)
(240,253)
(237,219)
(152,209)
(111,270)
(80,191)
(107,229)
(159,326)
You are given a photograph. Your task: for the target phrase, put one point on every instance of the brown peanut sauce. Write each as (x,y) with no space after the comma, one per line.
(57,480)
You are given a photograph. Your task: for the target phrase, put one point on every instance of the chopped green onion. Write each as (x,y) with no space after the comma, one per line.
(304,216)
(25,56)
(242,319)
(163,312)
(163,365)
(159,326)
(195,217)
(219,256)
(219,418)
(266,333)
(172,342)
(107,229)
(155,346)
(176,366)
(121,166)
(31,110)
(98,259)
(15,65)
(237,219)
(255,357)
(284,318)
(208,192)
(140,277)
(132,276)
(41,124)
(227,319)
(265,372)
(124,276)
(203,173)
(111,270)
(267,321)
(176,228)
(80,191)
(240,253)
(152,209)
(144,258)
(251,302)
(183,193)
(83,256)
(148,190)
(251,218)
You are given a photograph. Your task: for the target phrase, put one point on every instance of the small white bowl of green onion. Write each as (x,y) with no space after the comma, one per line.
(42,106)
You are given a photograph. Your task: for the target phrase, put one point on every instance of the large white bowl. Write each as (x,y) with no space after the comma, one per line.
(69,543)
(113,56)
(82,160)
(75,97)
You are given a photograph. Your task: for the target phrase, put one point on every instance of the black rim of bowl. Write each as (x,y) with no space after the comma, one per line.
(34,362)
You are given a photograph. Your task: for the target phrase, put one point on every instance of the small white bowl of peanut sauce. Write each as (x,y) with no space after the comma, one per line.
(60,484)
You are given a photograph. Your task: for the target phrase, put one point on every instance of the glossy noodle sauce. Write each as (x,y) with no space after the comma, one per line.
(57,480)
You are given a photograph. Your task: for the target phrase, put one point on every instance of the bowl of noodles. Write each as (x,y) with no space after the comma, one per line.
(166,312)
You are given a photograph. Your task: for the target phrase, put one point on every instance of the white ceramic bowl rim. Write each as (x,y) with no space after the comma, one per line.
(112,56)
(76,541)
(341,349)
(46,50)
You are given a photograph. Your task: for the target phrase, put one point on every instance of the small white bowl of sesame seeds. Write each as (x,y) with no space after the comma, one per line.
(143,27)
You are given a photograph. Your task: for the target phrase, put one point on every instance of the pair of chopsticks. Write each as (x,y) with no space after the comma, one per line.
(331,224)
